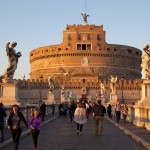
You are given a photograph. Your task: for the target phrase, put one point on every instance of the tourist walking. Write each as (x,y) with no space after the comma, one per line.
(53,108)
(65,108)
(124,112)
(3,116)
(109,111)
(60,109)
(98,114)
(34,124)
(80,117)
(72,107)
(117,111)
(16,122)
(43,110)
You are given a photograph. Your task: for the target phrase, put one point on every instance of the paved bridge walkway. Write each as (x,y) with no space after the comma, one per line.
(60,134)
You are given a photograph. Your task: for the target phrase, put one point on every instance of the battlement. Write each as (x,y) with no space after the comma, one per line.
(78,83)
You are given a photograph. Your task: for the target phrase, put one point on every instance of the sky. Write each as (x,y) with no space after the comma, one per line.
(37,23)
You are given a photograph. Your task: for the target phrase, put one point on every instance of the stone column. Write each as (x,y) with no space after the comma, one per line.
(140,116)
(50,98)
(145,100)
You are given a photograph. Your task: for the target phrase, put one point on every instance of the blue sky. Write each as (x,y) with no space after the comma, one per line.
(36,23)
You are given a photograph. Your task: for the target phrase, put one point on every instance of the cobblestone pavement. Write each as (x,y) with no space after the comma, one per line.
(60,134)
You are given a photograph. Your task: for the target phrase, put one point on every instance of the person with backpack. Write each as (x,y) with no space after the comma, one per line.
(3,116)
(98,114)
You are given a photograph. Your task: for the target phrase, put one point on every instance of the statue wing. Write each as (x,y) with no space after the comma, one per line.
(8,49)
(116,79)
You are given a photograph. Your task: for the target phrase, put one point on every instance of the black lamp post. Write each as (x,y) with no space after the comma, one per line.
(122,97)
(41,79)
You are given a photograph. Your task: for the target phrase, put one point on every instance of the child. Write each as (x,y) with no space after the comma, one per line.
(34,124)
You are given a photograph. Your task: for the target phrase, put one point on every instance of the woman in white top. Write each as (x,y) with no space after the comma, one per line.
(80,117)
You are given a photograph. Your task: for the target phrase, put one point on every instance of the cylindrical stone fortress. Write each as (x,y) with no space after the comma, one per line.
(84,52)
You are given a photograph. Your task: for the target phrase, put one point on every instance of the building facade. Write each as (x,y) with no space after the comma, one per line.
(84,52)
(84,60)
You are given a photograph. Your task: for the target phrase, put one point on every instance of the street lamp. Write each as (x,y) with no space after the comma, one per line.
(41,79)
(122,98)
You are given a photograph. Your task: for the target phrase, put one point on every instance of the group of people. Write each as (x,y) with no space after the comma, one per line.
(80,112)
(77,111)
(16,122)
(117,111)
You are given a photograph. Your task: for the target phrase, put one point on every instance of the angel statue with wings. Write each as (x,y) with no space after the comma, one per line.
(85,17)
(113,81)
(146,61)
(51,83)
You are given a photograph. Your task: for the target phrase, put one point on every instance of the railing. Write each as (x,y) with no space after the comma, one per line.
(28,110)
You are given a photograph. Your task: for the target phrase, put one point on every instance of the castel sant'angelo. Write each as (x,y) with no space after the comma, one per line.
(84,57)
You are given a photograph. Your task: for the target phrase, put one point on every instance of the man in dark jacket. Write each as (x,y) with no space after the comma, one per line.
(98,114)
(43,110)
(3,116)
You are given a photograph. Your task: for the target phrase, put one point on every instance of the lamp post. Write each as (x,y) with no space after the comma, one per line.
(122,97)
(41,79)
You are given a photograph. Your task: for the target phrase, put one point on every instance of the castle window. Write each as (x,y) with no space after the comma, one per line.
(108,49)
(78,46)
(129,51)
(83,46)
(89,47)
(31,54)
(98,37)
(59,49)
(69,36)
(79,37)
(137,53)
(89,37)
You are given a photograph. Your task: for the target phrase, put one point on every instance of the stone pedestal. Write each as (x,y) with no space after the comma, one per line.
(140,116)
(113,98)
(145,100)
(142,107)
(9,94)
(50,98)
(62,99)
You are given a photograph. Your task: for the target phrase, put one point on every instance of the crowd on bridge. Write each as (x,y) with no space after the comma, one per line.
(78,112)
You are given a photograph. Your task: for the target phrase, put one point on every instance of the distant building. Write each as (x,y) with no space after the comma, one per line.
(85,52)
(83,60)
